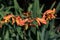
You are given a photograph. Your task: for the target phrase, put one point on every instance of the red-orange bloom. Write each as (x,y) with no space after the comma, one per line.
(0,25)
(30,20)
(20,22)
(7,18)
(2,21)
(49,14)
(40,20)
(27,14)
(13,20)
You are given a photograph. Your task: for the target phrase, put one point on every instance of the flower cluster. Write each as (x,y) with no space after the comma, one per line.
(47,15)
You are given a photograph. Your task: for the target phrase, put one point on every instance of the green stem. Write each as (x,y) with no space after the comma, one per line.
(24,35)
(43,33)
(38,35)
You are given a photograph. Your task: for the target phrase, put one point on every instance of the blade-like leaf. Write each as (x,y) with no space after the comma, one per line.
(35,8)
(20,32)
(30,7)
(53,5)
(6,35)
(40,11)
(58,7)
(1,7)
(17,8)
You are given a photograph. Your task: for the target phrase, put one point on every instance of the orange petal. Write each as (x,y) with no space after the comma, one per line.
(7,18)
(21,22)
(13,20)
(43,21)
(27,13)
(30,20)
(26,26)
(50,11)
(49,14)
(54,10)
(37,19)
(17,21)
(0,25)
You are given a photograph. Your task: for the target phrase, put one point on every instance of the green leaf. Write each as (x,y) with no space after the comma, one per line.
(8,8)
(1,7)
(30,8)
(38,35)
(29,35)
(58,7)
(20,32)
(52,24)
(6,37)
(47,35)
(17,37)
(33,29)
(52,34)
(53,5)
(17,8)
(35,8)
(11,38)
(43,32)
(40,11)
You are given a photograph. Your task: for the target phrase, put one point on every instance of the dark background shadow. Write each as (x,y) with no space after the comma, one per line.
(25,3)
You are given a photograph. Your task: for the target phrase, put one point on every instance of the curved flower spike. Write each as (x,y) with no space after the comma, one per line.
(0,25)
(20,22)
(50,11)
(41,20)
(30,20)
(49,14)
(13,20)
(27,14)
(7,18)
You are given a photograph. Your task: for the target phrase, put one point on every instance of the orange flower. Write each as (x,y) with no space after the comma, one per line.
(33,25)
(27,14)
(0,25)
(20,22)
(26,26)
(7,18)
(50,11)
(49,14)
(2,21)
(29,20)
(13,20)
(40,20)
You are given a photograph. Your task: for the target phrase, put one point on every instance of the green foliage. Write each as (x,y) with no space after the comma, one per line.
(35,8)
(14,32)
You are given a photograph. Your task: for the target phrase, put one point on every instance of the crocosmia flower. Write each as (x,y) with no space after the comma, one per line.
(40,20)
(7,18)
(49,14)
(20,22)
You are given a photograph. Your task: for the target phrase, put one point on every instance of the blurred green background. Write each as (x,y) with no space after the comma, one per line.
(15,32)
(25,3)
